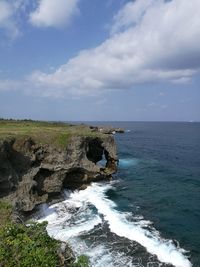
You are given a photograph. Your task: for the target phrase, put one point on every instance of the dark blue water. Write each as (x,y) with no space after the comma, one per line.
(159,175)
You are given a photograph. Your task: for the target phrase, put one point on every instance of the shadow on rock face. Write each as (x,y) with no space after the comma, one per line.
(32,173)
(13,165)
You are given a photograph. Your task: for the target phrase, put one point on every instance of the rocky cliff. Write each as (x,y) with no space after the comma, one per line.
(31,173)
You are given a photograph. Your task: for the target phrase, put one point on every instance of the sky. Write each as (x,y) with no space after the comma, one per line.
(108,60)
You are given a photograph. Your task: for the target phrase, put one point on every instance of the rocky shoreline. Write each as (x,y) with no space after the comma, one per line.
(32,174)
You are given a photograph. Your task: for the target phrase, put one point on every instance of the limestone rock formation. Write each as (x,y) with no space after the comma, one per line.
(31,173)
(107,129)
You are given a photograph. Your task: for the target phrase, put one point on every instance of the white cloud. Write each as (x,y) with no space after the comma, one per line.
(130,14)
(47,13)
(54,13)
(160,43)
(6,11)
(7,21)
(9,85)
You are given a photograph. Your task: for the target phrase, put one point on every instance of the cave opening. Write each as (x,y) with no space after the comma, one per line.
(74,178)
(96,152)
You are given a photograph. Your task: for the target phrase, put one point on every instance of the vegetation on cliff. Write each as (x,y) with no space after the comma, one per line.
(29,245)
(54,133)
(37,161)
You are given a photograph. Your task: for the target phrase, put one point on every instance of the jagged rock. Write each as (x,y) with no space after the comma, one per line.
(66,255)
(31,173)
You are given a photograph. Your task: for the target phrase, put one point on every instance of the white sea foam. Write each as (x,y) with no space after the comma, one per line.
(124,163)
(60,219)
(70,231)
(100,255)
(118,223)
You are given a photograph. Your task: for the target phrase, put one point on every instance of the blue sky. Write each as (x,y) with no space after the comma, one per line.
(100,60)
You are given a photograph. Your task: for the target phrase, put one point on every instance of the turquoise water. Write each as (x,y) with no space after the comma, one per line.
(149,215)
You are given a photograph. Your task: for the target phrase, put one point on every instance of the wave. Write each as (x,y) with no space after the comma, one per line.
(65,219)
(61,224)
(100,255)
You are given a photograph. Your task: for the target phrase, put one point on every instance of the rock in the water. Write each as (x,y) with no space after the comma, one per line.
(108,130)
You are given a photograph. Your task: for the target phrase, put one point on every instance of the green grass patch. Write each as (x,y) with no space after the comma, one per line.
(54,133)
(5,213)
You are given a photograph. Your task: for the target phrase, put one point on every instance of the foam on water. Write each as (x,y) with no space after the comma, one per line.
(100,255)
(119,223)
(61,222)
(124,163)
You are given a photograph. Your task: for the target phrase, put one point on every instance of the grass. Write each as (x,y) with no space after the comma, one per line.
(30,246)
(5,213)
(54,133)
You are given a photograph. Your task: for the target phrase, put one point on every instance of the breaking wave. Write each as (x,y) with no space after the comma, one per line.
(82,211)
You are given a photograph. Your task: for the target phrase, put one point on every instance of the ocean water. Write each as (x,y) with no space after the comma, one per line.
(149,215)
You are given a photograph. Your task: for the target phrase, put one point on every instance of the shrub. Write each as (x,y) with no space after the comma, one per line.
(82,261)
(27,246)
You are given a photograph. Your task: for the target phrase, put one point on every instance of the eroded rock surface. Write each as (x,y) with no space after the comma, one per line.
(31,174)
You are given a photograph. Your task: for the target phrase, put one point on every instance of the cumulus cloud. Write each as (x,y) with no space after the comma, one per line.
(130,14)
(6,11)
(45,13)
(7,21)
(12,13)
(51,13)
(153,42)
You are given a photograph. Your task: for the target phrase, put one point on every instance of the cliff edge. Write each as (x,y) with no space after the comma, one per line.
(38,160)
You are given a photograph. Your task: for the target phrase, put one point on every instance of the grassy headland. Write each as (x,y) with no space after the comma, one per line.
(29,245)
(54,133)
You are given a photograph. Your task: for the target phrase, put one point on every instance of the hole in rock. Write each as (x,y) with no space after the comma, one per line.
(95,152)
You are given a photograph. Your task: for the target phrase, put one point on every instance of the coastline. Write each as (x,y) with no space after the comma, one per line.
(40,159)
(85,212)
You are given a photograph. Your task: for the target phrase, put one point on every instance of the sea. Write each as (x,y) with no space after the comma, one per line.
(149,214)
